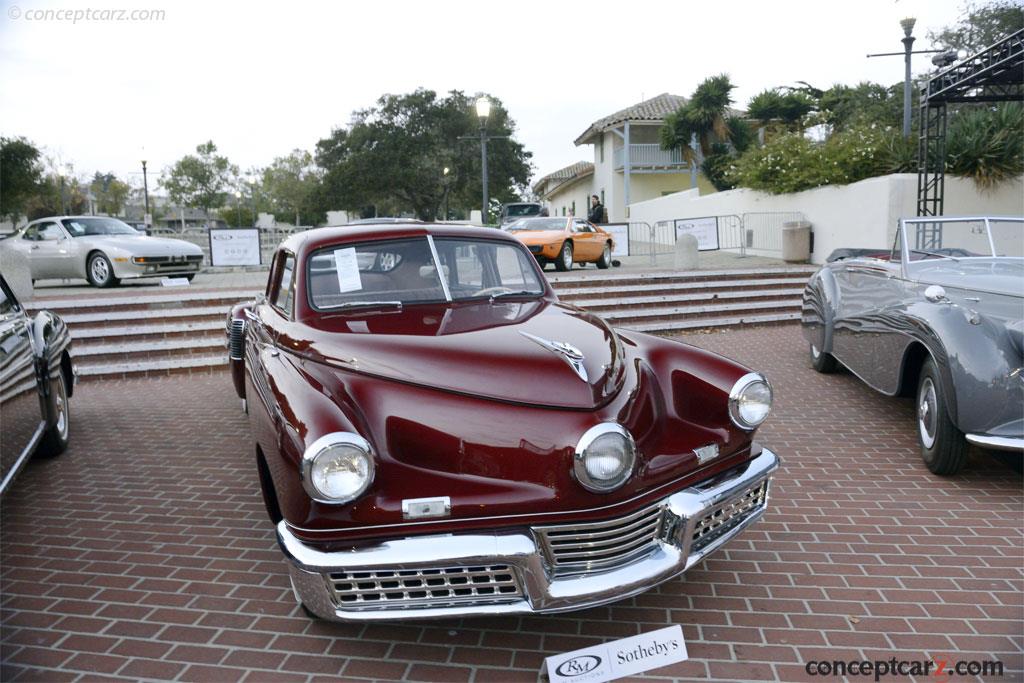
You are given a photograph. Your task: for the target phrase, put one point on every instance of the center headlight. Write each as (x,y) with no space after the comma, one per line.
(337,468)
(750,401)
(604,457)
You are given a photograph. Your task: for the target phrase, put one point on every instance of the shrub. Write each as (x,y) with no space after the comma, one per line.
(987,145)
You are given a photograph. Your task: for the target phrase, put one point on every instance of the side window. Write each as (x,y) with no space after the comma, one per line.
(49,231)
(31,233)
(284,294)
(582,226)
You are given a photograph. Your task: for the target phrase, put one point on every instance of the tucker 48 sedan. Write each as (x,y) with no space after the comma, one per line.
(940,318)
(436,435)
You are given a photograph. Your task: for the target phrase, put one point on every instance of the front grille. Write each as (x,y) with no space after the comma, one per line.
(423,588)
(236,339)
(600,546)
(167,261)
(727,516)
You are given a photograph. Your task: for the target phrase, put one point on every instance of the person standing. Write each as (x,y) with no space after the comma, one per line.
(596,214)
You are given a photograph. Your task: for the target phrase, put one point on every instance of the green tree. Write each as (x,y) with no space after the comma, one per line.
(21,176)
(706,115)
(199,180)
(110,193)
(290,183)
(392,157)
(786,109)
(987,145)
(981,25)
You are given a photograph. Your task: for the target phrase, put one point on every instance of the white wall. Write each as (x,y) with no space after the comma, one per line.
(560,203)
(863,214)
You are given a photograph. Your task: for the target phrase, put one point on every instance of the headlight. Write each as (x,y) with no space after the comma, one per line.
(337,468)
(604,457)
(750,401)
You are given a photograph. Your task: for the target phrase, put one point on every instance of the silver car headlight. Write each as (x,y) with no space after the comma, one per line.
(337,468)
(605,456)
(750,401)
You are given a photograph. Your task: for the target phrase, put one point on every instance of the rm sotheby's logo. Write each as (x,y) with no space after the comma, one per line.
(619,658)
(577,666)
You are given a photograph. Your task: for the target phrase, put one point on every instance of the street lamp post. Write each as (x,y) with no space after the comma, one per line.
(908,42)
(446,182)
(145,193)
(238,209)
(252,194)
(483,110)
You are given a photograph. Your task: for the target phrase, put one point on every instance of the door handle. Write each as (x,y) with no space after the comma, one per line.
(34,247)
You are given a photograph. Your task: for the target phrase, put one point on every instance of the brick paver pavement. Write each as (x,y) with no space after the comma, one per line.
(144,552)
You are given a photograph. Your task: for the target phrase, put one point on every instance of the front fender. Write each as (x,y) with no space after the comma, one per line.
(818,311)
(978,363)
(51,343)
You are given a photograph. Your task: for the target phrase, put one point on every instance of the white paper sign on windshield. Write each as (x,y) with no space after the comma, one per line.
(348,270)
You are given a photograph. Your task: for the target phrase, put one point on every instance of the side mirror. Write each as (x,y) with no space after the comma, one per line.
(15,267)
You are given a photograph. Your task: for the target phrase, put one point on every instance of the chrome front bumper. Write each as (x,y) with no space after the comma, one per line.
(509,572)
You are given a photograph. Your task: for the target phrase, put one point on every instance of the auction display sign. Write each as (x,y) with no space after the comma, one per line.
(619,658)
(619,233)
(234,247)
(704,229)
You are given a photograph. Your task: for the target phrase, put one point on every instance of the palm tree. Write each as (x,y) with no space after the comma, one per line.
(705,116)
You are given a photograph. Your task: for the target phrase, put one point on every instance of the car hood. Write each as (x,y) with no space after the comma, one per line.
(489,351)
(142,245)
(994,275)
(538,235)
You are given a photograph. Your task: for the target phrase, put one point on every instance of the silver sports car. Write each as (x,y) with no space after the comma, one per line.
(102,250)
(940,317)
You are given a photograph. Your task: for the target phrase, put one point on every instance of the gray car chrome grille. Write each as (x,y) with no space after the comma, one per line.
(423,587)
(236,339)
(728,515)
(600,546)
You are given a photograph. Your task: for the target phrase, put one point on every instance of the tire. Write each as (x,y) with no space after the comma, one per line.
(943,446)
(564,261)
(825,363)
(606,257)
(99,271)
(55,438)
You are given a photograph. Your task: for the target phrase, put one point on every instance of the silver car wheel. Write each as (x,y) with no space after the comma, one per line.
(927,413)
(567,256)
(60,404)
(99,269)
(815,352)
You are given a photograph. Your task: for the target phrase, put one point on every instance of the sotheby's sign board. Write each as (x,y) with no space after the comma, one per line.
(620,235)
(704,229)
(234,247)
(619,658)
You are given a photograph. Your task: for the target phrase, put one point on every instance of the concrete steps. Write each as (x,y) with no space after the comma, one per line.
(116,334)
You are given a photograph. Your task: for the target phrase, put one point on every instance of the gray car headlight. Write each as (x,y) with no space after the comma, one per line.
(604,458)
(750,401)
(337,468)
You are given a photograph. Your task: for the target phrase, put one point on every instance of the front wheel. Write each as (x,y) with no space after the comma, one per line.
(606,257)
(943,446)
(564,261)
(55,438)
(100,271)
(824,363)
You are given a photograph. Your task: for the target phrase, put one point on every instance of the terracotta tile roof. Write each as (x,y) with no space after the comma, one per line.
(567,174)
(653,109)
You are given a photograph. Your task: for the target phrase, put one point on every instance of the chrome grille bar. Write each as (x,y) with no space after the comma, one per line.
(600,546)
(728,515)
(423,587)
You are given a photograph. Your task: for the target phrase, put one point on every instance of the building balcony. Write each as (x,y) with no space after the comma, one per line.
(649,158)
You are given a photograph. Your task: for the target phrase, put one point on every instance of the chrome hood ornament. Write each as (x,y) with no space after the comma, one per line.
(569,353)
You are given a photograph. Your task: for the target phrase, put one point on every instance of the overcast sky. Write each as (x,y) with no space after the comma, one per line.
(261,79)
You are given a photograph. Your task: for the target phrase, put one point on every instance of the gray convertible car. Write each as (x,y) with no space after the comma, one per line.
(102,250)
(939,317)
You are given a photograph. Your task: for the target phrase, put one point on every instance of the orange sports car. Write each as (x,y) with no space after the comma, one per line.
(564,240)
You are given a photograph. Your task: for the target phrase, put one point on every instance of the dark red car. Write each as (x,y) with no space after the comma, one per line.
(436,435)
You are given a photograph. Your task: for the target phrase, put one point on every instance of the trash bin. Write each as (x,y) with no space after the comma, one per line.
(796,242)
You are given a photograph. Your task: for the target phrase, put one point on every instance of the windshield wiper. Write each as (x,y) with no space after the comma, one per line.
(932,253)
(521,292)
(360,304)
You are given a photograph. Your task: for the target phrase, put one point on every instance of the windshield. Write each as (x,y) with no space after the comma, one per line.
(393,272)
(964,238)
(515,210)
(82,227)
(537,224)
